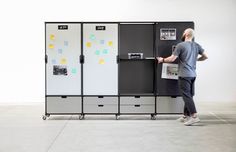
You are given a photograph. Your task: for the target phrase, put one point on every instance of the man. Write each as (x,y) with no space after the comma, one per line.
(187,52)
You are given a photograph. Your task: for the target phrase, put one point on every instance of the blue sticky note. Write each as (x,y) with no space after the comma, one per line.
(59,51)
(97,52)
(54,61)
(102,41)
(105,51)
(66,43)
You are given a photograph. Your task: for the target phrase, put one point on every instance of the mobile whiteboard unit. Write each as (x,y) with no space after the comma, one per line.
(100,68)
(63,68)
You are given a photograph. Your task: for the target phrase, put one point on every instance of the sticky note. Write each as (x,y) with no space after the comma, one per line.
(63,61)
(105,51)
(97,52)
(110,43)
(59,51)
(92,37)
(88,44)
(102,41)
(54,61)
(101,61)
(51,46)
(73,70)
(52,37)
(66,43)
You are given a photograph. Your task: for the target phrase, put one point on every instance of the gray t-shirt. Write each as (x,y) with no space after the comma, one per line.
(187,52)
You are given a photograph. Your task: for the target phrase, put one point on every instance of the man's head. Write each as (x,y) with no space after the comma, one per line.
(188,34)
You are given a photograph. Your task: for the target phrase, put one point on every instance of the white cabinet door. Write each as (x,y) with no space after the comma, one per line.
(63,48)
(100,48)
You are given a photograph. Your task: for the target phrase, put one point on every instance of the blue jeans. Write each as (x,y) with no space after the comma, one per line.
(186,85)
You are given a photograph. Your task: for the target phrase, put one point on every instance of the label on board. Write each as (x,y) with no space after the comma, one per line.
(62,27)
(100,28)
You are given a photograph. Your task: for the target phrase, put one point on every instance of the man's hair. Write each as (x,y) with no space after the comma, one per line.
(189,32)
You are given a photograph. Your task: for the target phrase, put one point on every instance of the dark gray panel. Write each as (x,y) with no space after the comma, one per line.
(166,87)
(136,39)
(136,77)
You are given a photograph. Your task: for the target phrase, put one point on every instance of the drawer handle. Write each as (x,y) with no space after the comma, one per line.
(100,96)
(63,96)
(100,105)
(136,96)
(137,105)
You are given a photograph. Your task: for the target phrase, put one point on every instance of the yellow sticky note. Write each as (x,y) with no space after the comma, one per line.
(63,61)
(52,37)
(110,43)
(88,44)
(101,61)
(51,46)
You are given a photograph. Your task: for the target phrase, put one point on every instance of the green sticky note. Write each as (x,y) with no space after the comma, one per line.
(92,37)
(105,51)
(74,71)
(97,52)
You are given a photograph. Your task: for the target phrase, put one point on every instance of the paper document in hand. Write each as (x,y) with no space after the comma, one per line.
(169,71)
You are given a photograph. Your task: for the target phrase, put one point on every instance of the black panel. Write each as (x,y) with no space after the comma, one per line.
(136,39)
(136,76)
(167,87)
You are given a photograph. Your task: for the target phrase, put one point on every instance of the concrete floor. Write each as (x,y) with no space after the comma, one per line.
(23,130)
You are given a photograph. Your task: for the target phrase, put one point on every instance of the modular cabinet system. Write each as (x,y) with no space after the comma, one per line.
(110,68)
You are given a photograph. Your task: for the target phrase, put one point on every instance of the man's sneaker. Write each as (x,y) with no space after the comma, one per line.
(183,119)
(191,121)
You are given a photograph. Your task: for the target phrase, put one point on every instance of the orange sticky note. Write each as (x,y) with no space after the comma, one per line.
(101,61)
(51,46)
(88,44)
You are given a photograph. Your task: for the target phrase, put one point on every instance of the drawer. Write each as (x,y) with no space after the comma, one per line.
(63,105)
(137,100)
(101,108)
(100,100)
(170,105)
(138,108)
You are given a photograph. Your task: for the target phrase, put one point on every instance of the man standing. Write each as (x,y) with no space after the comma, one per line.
(187,52)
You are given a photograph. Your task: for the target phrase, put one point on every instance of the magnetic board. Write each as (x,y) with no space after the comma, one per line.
(100,49)
(164,47)
(136,38)
(63,49)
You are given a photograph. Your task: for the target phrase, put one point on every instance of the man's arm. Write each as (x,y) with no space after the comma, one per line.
(169,59)
(202,57)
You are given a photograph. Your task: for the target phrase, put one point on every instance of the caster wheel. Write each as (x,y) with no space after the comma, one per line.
(153,117)
(44,117)
(81,117)
(117,117)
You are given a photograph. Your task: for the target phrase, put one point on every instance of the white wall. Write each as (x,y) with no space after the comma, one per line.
(22,39)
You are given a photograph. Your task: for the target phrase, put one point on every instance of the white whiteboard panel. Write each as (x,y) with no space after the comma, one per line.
(63,70)
(100,48)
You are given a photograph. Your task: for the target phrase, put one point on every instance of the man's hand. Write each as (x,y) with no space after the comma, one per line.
(160,59)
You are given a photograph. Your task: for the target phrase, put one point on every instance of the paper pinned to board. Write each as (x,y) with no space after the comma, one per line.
(169,71)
